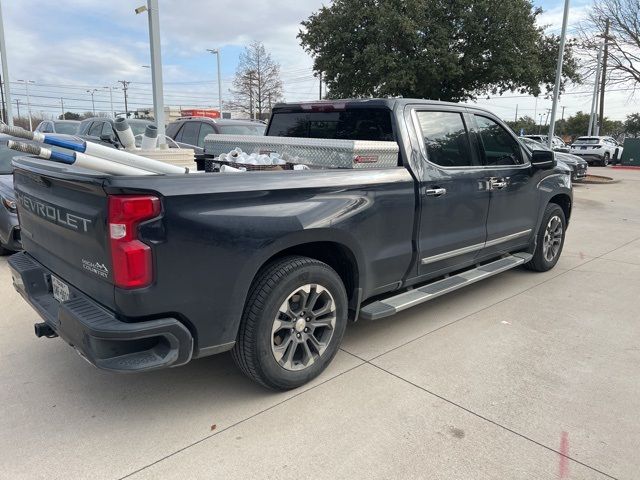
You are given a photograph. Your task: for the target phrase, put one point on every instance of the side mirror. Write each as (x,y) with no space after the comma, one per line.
(108,137)
(543,159)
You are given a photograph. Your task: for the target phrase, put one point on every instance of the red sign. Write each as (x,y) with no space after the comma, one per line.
(201,112)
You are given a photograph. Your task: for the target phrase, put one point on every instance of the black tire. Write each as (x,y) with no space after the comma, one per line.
(605,159)
(273,286)
(4,251)
(540,262)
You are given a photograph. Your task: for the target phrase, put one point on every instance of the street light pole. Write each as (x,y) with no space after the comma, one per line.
(556,87)
(5,72)
(26,85)
(93,104)
(113,113)
(156,66)
(216,52)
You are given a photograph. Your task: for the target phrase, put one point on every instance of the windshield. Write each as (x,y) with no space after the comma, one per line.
(532,144)
(67,128)
(356,124)
(6,154)
(257,129)
(588,140)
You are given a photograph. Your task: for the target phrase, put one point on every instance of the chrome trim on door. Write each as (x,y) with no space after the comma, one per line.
(513,236)
(473,248)
(452,253)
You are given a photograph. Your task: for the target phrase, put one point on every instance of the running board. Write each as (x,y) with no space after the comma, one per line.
(389,306)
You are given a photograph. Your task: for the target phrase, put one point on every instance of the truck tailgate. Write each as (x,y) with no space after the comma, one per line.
(63,221)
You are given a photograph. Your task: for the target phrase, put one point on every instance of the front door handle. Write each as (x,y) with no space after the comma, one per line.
(435,192)
(497,183)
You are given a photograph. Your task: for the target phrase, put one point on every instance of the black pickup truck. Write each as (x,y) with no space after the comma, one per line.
(139,273)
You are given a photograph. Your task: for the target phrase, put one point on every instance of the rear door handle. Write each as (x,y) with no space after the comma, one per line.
(497,183)
(435,192)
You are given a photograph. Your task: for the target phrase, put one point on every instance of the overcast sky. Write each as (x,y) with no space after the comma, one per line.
(69,46)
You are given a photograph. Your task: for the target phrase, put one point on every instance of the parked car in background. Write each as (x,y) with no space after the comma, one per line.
(189,132)
(100,130)
(577,165)
(597,150)
(557,145)
(66,127)
(9,228)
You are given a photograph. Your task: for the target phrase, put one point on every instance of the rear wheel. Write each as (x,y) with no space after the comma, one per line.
(549,239)
(293,323)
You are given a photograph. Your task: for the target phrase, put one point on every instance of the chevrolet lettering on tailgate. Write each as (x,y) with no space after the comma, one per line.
(53,214)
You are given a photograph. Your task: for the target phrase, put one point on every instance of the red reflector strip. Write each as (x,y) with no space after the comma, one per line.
(366,159)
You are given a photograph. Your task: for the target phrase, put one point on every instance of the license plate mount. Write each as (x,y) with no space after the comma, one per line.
(60,289)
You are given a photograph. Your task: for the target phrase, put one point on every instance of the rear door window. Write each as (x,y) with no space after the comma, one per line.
(96,129)
(446,139)
(498,146)
(106,129)
(189,133)
(205,129)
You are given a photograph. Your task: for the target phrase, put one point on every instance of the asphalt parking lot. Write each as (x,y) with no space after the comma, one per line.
(523,376)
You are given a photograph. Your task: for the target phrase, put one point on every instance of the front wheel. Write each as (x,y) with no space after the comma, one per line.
(549,239)
(293,323)
(605,159)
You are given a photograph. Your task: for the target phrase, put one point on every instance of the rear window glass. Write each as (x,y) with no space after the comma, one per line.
(356,124)
(257,129)
(588,140)
(66,128)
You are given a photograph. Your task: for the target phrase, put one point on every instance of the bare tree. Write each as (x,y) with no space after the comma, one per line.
(257,85)
(623,40)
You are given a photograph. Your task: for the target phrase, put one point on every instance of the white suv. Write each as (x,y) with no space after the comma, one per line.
(601,150)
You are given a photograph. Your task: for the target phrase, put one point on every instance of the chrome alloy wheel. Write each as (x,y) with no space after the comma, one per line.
(552,238)
(303,327)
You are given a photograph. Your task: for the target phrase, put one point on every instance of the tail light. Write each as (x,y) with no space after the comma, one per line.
(131,259)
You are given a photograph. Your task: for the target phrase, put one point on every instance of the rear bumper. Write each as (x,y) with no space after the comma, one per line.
(95,332)
(589,157)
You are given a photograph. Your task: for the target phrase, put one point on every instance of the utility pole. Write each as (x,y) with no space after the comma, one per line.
(320,92)
(5,71)
(546,120)
(516,119)
(18,106)
(4,107)
(125,86)
(556,87)
(26,86)
(592,116)
(604,75)
(62,108)
(113,113)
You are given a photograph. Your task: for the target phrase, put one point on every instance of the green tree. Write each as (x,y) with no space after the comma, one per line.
(526,124)
(432,48)
(577,125)
(632,125)
(69,116)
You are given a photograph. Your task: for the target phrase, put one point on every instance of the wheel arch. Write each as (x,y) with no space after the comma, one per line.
(565,202)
